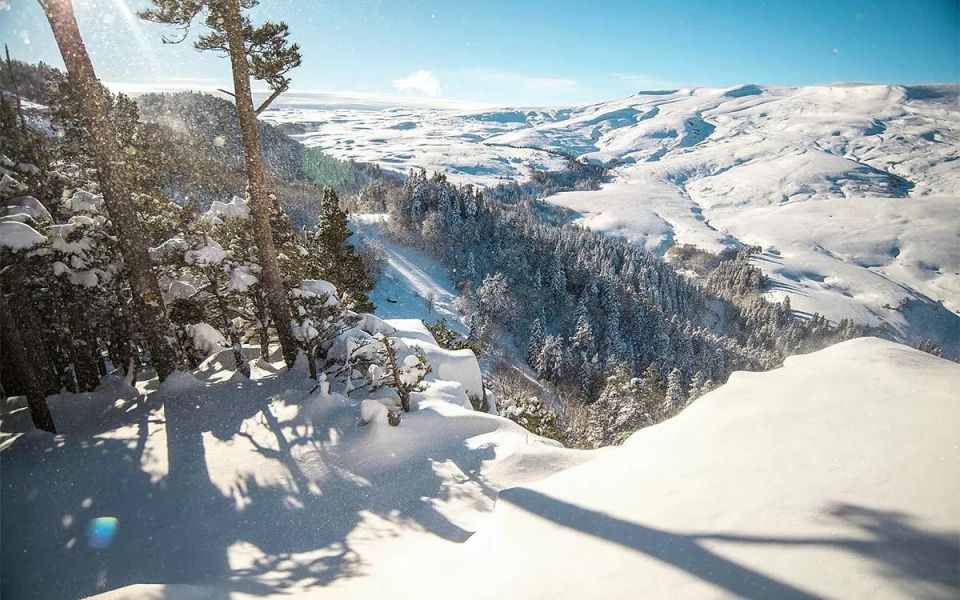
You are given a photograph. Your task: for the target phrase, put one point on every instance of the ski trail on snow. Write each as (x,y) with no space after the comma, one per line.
(409,279)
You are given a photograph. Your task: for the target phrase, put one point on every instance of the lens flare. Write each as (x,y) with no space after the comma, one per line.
(101,532)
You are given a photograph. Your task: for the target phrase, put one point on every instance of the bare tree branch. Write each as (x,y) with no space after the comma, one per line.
(269,100)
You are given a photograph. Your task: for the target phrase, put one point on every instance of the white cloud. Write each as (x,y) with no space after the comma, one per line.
(420,83)
(547,85)
(4,5)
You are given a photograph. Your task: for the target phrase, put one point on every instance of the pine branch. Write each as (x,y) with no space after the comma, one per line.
(16,91)
(269,100)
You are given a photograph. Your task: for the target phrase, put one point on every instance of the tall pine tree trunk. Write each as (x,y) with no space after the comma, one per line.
(256,181)
(84,353)
(116,194)
(20,358)
(31,329)
(263,319)
(228,327)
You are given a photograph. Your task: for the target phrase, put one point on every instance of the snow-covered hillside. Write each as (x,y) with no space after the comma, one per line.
(261,487)
(851,190)
(412,285)
(834,476)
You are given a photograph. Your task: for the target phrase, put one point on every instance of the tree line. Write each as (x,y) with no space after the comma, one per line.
(620,335)
(99,265)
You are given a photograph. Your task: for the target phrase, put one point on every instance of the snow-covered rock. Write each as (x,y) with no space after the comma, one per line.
(180,289)
(451,365)
(242,278)
(208,254)
(220,211)
(206,338)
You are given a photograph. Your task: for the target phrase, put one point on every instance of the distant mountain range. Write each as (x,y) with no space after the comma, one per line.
(849,189)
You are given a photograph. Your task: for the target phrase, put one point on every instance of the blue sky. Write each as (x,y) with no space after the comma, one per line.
(536,51)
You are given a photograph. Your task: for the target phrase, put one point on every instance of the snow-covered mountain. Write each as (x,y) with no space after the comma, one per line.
(850,190)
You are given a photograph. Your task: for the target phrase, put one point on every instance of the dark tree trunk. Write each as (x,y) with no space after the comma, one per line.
(16,91)
(263,331)
(32,335)
(312,362)
(256,180)
(189,352)
(116,194)
(21,363)
(239,363)
(84,356)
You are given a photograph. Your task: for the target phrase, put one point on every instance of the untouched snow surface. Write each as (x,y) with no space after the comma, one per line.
(836,476)
(852,190)
(833,477)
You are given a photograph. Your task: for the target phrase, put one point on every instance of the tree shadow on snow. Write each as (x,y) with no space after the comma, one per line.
(922,562)
(178,528)
(324,502)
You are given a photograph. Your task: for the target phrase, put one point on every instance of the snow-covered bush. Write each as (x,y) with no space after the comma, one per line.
(318,318)
(405,375)
(532,414)
(451,340)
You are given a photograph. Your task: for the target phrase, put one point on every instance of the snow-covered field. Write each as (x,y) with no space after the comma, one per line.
(852,190)
(834,476)
(402,138)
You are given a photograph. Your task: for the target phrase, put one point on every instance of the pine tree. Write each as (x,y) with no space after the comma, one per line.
(318,319)
(699,385)
(674,398)
(549,364)
(24,366)
(101,136)
(588,375)
(558,279)
(341,264)
(582,342)
(406,376)
(619,411)
(264,53)
(535,342)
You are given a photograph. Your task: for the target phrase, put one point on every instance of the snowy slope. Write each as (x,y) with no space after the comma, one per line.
(836,476)
(409,279)
(255,488)
(715,167)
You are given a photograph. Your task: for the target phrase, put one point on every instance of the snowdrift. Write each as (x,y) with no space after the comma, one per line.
(834,476)
(214,486)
